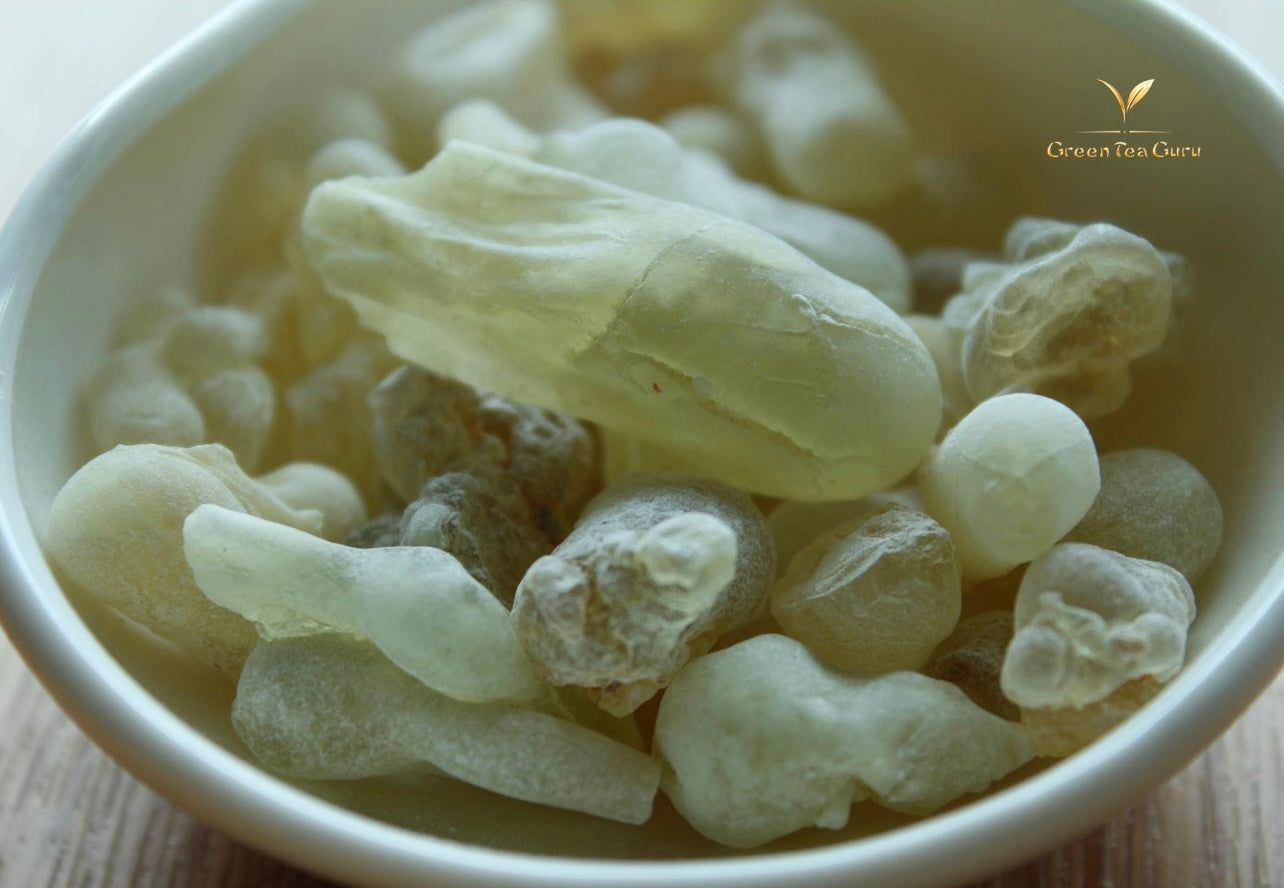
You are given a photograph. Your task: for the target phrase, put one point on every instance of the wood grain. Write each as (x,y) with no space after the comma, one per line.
(70,817)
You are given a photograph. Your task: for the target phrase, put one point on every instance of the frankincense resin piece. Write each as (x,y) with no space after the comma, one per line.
(332,707)
(480,516)
(972,659)
(803,385)
(196,379)
(875,594)
(832,133)
(1154,505)
(509,51)
(116,528)
(638,155)
(134,399)
(303,485)
(1088,620)
(417,604)
(795,524)
(720,132)
(1067,321)
(1060,731)
(1010,480)
(759,740)
(657,568)
(425,425)
(495,483)
(329,421)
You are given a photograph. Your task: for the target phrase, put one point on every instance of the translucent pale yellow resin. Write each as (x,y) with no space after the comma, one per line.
(761,368)
(759,740)
(1088,620)
(417,604)
(333,707)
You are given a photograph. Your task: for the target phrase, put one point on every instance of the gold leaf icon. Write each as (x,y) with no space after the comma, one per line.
(1123,109)
(1138,93)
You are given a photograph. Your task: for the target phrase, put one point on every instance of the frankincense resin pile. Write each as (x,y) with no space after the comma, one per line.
(466,467)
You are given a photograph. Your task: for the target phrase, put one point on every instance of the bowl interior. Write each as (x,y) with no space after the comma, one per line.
(999,79)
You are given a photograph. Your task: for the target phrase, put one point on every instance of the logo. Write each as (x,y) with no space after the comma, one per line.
(1124,148)
(1135,95)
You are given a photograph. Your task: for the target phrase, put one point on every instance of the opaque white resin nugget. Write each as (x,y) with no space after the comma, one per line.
(650,316)
(760,740)
(1012,478)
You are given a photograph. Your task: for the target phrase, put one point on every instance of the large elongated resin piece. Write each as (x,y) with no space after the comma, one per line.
(674,323)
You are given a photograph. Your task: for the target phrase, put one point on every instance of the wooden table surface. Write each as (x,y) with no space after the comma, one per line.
(70,817)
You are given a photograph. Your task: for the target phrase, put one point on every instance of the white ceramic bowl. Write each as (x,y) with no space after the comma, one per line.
(117,208)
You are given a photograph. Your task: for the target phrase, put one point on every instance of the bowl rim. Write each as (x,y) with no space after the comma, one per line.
(162,750)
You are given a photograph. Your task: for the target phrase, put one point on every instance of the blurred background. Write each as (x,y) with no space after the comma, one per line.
(59,57)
